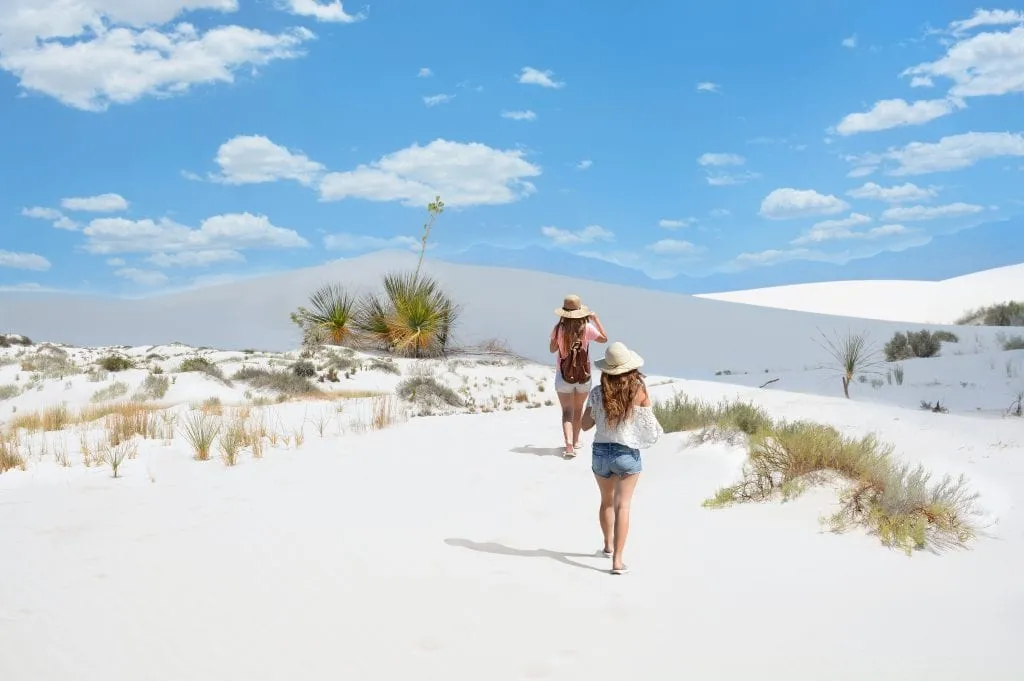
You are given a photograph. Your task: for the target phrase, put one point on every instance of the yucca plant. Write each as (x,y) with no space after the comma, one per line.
(852,354)
(329,317)
(414,317)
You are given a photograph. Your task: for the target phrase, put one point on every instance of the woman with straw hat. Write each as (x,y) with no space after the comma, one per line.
(620,411)
(577,326)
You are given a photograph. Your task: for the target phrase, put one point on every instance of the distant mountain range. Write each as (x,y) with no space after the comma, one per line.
(994,244)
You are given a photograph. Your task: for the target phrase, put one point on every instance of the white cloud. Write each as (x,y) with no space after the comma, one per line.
(195,258)
(424,73)
(921,81)
(786,203)
(584,164)
(987,17)
(708,86)
(828,230)
(774,256)
(519,115)
(323,11)
(220,232)
(728,179)
(587,235)
(101,203)
(674,247)
(142,277)
(676,224)
(463,174)
(721,160)
(116,262)
(89,54)
(953,152)
(984,64)
(894,113)
(434,100)
(896,194)
(850,42)
(912,213)
(24,261)
(361,242)
(251,159)
(41,213)
(720,212)
(64,222)
(532,76)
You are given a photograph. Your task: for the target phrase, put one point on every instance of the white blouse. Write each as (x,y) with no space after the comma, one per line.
(639,431)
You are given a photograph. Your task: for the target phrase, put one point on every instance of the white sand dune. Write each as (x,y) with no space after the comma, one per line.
(462,546)
(922,302)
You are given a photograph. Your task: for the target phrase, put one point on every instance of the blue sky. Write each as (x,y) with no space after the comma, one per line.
(150,145)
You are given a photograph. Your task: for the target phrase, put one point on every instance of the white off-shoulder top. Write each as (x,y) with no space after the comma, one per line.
(639,431)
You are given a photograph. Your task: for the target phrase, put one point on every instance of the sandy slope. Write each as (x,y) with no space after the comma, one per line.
(410,553)
(922,302)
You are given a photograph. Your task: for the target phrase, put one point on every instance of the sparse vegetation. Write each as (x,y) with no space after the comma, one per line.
(202,365)
(895,372)
(115,363)
(935,407)
(10,452)
(9,391)
(114,454)
(281,382)
(111,392)
(852,354)
(1013,342)
(428,392)
(414,317)
(231,442)
(330,319)
(154,387)
(8,340)
(304,369)
(890,498)
(923,343)
(1016,407)
(200,430)
(1010,313)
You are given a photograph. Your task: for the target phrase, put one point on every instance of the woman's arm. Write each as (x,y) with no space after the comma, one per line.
(603,337)
(642,399)
(553,344)
(588,419)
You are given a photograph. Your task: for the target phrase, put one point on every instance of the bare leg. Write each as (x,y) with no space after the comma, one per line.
(579,402)
(606,514)
(566,401)
(624,495)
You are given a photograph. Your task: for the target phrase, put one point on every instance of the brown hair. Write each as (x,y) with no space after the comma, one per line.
(572,330)
(618,393)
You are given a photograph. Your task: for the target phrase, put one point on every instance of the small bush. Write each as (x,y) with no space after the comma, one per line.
(114,454)
(201,365)
(231,442)
(1010,313)
(1013,343)
(427,391)
(10,452)
(387,366)
(8,391)
(282,382)
(682,414)
(115,363)
(111,392)
(946,336)
(923,343)
(852,354)
(154,387)
(304,369)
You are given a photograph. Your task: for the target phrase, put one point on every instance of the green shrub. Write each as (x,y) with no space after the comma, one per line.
(304,369)
(201,365)
(282,382)
(426,391)
(111,392)
(414,317)
(115,363)
(8,391)
(154,387)
(1013,343)
(1010,313)
(923,343)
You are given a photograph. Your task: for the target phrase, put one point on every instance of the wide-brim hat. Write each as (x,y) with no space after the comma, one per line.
(618,359)
(573,308)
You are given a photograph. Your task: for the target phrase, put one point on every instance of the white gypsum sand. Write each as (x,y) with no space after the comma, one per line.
(462,546)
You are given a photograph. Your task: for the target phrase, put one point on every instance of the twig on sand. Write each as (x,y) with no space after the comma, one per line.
(768,383)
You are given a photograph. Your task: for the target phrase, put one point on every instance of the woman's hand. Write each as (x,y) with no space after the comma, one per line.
(603,338)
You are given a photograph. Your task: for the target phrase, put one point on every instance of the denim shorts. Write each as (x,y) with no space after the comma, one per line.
(612,458)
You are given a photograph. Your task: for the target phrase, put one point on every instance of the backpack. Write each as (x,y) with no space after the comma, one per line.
(575,366)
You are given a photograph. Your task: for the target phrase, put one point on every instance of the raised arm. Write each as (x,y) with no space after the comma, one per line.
(553,344)
(603,337)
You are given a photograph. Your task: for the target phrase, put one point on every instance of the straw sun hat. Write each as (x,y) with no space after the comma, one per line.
(573,308)
(618,359)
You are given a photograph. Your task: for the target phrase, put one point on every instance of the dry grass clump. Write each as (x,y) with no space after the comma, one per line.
(10,452)
(52,418)
(200,430)
(385,412)
(897,503)
(50,362)
(114,454)
(9,391)
(427,391)
(281,382)
(232,440)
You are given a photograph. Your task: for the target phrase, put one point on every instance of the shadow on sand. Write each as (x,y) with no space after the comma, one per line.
(502,550)
(539,451)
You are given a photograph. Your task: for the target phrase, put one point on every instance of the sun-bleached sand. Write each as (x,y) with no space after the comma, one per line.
(455,543)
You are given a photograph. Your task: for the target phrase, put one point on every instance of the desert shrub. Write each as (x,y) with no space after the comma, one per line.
(1013,343)
(50,362)
(683,413)
(413,317)
(385,365)
(1016,407)
(330,318)
(200,430)
(114,454)
(52,418)
(126,420)
(10,452)
(111,392)
(923,343)
(283,382)
(202,365)
(852,354)
(154,387)
(231,442)
(946,336)
(304,369)
(426,391)
(8,391)
(8,340)
(115,363)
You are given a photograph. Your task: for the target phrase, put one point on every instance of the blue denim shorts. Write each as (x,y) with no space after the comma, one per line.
(612,458)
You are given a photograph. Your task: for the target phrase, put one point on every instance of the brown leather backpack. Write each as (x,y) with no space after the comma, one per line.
(575,366)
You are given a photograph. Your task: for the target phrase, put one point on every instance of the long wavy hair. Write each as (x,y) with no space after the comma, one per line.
(572,330)
(618,392)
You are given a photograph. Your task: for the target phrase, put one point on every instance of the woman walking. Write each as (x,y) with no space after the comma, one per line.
(620,410)
(576,328)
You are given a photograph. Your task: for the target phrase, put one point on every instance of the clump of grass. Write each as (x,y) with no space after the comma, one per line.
(126,420)
(1010,313)
(154,387)
(111,392)
(199,364)
(895,372)
(281,382)
(1016,407)
(9,391)
(414,317)
(115,363)
(384,365)
(894,501)
(330,317)
(384,412)
(231,442)
(304,369)
(52,418)
(1013,343)
(200,430)
(114,454)
(10,452)
(427,391)
(724,419)
(51,362)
